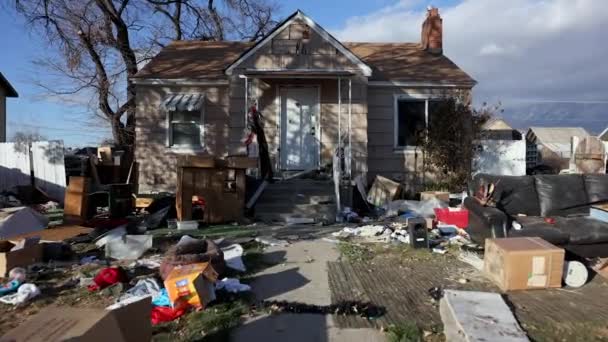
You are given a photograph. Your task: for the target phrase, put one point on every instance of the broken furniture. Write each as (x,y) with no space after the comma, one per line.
(220,183)
(76,199)
(556,208)
(523,263)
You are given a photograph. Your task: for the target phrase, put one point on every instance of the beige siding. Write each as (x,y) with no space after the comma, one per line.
(156,161)
(298,47)
(384,159)
(2,115)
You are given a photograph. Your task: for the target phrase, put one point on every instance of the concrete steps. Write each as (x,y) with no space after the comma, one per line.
(297,198)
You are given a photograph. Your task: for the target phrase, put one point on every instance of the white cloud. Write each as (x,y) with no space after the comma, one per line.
(516,49)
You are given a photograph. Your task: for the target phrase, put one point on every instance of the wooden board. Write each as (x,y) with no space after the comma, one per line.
(55,234)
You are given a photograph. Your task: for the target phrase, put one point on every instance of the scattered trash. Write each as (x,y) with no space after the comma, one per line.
(270,241)
(439,250)
(107,277)
(516,225)
(370,230)
(9,287)
(161,314)
(575,274)
(18,273)
(25,292)
(472,259)
(232,285)
(418,208)
(147,287)
(128,247)
(192,283)
(478,316)
(115,233)
(463,280)
(191,251)
(436,293)
(152,262)
(187,225)
(88,259)
(299,220)
(162,299)
(351,308)
(233,257)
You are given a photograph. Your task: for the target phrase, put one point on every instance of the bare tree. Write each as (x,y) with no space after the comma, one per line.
(98,45)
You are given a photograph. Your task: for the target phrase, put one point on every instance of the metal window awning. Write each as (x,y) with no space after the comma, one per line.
(183,102)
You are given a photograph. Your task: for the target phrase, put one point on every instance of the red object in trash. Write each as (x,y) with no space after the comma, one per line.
(459,218)
(550,220)
(107,277)
(162,314)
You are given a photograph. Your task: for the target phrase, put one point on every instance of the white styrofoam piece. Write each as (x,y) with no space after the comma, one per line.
(128,247)
(478,316)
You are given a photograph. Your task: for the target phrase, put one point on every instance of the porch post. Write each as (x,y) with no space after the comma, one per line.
(246,99)
(339,112)
(349,165)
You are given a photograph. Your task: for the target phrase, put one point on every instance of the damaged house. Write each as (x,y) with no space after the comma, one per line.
(315,93)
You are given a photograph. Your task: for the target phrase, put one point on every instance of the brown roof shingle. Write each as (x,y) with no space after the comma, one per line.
(405,62)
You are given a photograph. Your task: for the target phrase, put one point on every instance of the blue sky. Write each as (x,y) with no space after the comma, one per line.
(539,58)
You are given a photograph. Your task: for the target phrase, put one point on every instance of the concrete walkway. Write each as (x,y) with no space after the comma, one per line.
(299,275)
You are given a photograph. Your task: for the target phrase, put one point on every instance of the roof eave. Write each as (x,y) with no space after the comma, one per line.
(10,91)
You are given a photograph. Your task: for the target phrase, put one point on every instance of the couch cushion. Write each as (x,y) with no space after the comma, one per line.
(514,194)
(597,187)
(535,226)
(561,195)
(584,230)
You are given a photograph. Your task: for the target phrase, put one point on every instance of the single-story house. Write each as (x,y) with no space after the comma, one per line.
(6,90)
(551,146)
(498,129)
(316,94)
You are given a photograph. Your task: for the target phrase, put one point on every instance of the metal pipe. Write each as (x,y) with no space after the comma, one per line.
(350,146)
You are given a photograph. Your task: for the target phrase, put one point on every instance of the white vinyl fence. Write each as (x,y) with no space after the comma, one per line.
(43,158)
(501,157)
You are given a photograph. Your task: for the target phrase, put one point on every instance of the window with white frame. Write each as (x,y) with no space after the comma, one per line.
(185,129)
(413,116)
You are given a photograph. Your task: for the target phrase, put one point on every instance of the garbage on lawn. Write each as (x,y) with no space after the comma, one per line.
(342,308)
(24,293)
(19,258)
(190,251)
(232,285)
(478,316)
(187,225)
(107,277)
(523,263)
(299,220)
(128,247)
(115,233)
(383,191)
(152,262)
(575,274)
(161,314)
(20,220)
(192,283)
(233,257)
(270,241)
(55,323)
(147,287)
(417,208)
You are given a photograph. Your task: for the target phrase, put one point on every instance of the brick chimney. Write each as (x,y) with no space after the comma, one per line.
(432,32)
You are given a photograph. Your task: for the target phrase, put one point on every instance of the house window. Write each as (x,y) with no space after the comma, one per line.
(413,116)
(185,129)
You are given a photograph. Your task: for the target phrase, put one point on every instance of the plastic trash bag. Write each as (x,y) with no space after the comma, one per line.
(420,208)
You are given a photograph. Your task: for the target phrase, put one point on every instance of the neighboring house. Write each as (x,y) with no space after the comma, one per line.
(604,135)
(192,98)
(6,90)
(499,129)
(501,150)
(551,146)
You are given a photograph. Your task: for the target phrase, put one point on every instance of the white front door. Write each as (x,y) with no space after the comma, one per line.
(299,128)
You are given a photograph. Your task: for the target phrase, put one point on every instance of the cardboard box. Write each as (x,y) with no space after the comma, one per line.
(19,258)
(75,201)
(193,283)
(523,263)
(440,195)
(128,323)
(383,191)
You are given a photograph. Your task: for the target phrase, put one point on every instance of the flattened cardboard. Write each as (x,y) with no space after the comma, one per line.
(523,263)
(129,323)
(193,283)
(383,191)
(19,258)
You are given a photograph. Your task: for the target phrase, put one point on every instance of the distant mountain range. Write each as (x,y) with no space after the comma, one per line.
(591,116)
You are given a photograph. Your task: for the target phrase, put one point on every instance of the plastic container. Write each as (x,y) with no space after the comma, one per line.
(459,218)
(187,225)
(172,223)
